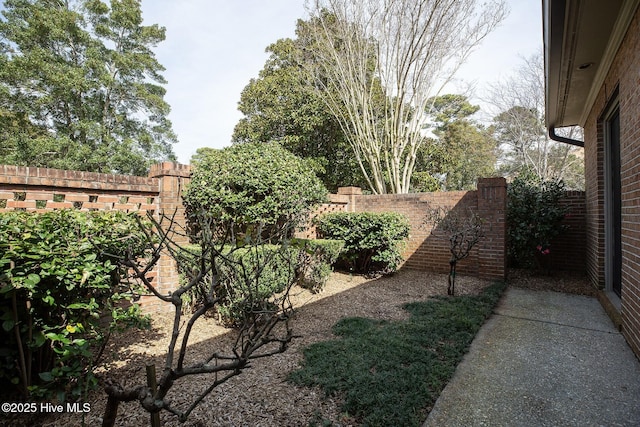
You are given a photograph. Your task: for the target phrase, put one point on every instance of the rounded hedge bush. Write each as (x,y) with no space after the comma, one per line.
(253,186)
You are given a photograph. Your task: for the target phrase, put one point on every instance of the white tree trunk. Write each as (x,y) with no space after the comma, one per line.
(382,62)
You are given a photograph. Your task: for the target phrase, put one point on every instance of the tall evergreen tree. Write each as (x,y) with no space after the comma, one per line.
(461,152)
(282,105)
(80,87)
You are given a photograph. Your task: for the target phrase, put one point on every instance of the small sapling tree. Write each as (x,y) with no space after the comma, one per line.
(263,329)
(463,229)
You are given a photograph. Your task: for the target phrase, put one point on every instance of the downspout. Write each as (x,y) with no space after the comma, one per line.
(555,137)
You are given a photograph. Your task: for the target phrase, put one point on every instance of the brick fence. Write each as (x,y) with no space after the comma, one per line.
(568,251)
(424,250)
(42,190)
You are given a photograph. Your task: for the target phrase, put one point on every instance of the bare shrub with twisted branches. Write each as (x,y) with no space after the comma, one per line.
(264,329)
(463,229)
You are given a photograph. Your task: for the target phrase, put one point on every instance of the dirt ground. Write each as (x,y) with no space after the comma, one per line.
(261,396)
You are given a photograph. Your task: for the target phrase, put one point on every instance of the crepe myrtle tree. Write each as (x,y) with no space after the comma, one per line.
(382,63)
(463,230)
(263,330)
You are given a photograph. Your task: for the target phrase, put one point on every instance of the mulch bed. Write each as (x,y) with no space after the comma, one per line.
(261,395)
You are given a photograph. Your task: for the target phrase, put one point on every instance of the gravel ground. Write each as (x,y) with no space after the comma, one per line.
(261,396)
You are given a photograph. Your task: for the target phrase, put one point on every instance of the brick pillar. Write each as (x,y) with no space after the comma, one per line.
(172,178)
(492,208)
(351,193)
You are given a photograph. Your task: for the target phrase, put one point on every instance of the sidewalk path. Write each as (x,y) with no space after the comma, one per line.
(543,359)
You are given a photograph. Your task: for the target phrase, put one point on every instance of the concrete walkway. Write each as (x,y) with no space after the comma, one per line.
(544,359)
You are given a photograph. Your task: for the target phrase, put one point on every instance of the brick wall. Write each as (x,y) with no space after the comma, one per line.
(625,75)
(172,179)
(42,190)
(427,251)
(568,251)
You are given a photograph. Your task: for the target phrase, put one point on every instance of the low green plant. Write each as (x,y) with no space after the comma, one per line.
(61,295)
(372,241)
(534,218)
(391,372)
(251,276)
(318,257)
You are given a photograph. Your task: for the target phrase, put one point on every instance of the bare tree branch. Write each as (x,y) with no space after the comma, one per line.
(265,328)
(382,62)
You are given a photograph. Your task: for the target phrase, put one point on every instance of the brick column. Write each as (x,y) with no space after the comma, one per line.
(172,179)
(351,193)
(492,208)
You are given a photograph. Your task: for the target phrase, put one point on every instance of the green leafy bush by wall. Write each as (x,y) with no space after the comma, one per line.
(318,257)
(534,218)
(256,187)
(373,241)
(249,276)
(60,297)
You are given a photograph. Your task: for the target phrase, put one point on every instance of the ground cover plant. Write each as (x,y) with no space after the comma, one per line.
(391,372)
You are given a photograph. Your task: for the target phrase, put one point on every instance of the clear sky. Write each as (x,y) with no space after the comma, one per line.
(214,47)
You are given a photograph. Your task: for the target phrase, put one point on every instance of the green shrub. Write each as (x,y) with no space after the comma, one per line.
(253,188)
(248,277)
(534,217)
(318,257)
(61,295)
(372,240)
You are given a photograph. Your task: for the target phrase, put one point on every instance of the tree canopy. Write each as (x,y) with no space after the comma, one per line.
(461,152)
(80,87)
(282,105)
(519,128)
(382,63)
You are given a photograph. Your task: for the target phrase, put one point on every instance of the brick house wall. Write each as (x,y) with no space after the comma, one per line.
(43,189)
(624,74)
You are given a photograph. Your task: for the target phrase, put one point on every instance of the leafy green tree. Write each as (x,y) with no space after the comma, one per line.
(462,151)
(80,87)
(282,105)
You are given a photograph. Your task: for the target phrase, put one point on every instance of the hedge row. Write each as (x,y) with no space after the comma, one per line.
(373,241)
